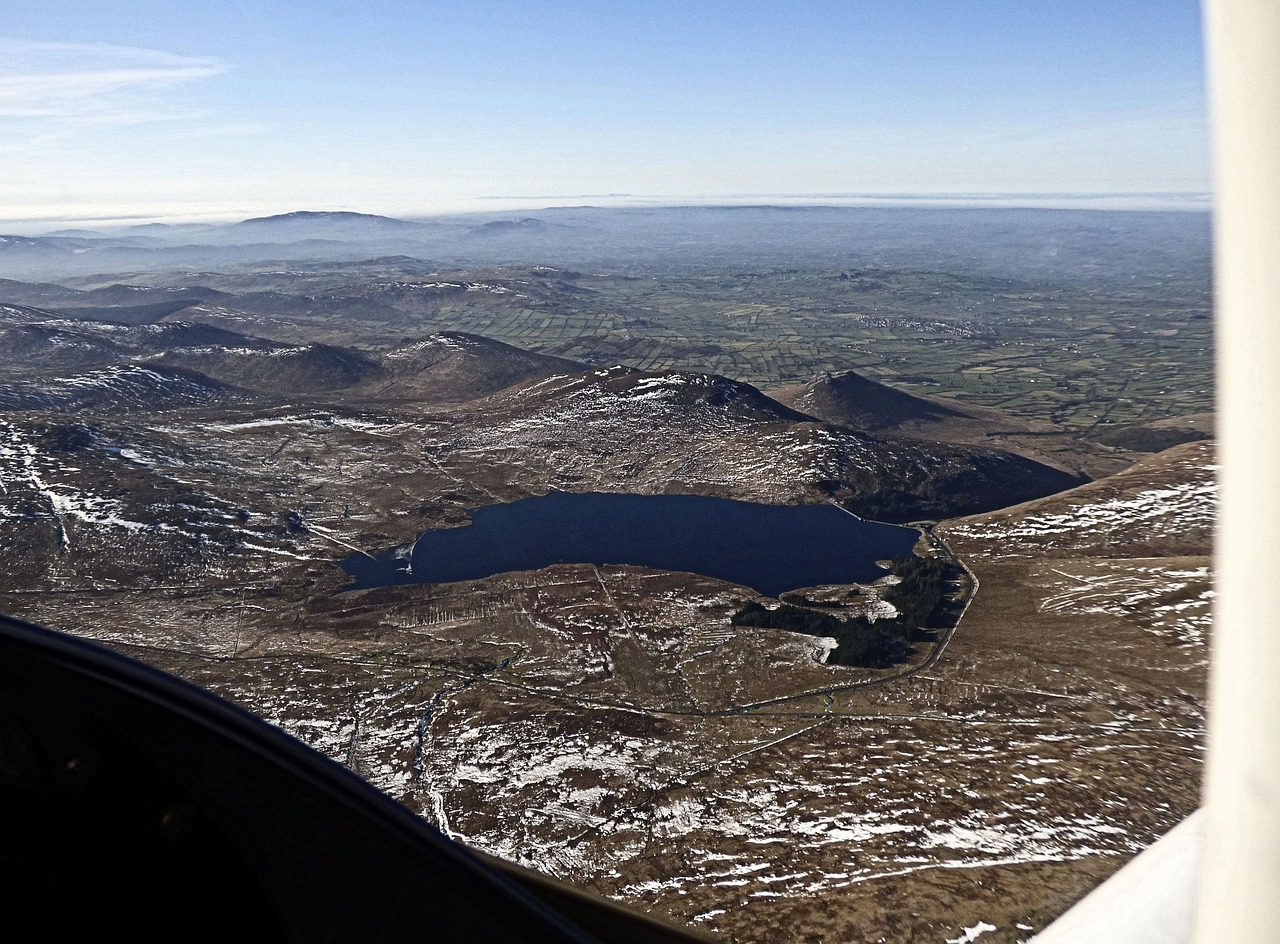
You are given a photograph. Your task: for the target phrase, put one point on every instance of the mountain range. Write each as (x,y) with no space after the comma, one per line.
(188,455)
(1059,244)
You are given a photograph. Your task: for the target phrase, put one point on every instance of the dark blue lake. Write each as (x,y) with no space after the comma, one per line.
(770,548)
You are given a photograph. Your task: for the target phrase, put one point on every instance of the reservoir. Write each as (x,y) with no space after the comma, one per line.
(770,548)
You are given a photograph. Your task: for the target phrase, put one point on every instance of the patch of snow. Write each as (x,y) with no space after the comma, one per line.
(969,935)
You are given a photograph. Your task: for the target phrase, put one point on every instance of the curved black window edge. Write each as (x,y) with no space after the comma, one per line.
(132,800)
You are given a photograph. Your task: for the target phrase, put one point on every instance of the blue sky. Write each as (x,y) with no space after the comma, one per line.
(228,108)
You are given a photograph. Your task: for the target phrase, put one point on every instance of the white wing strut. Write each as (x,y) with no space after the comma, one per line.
(1239,900)
(1215,879)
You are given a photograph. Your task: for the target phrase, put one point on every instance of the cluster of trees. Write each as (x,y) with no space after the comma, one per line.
(922,597)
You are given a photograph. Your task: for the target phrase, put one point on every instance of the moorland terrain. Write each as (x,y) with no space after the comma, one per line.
(198,426)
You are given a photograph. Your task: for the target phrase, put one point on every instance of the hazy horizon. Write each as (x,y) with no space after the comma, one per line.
(516,206)
(160,112)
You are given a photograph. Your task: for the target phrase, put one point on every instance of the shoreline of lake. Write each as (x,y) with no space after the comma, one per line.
(770,548)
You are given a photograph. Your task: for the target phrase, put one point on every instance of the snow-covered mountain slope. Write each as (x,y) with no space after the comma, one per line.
(116,390)
(455,367)
(1163,505)
(684,431)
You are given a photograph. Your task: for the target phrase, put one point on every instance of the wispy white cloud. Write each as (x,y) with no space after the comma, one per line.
(93,82)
